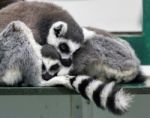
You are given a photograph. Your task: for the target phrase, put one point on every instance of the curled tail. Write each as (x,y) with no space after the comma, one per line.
(104,95)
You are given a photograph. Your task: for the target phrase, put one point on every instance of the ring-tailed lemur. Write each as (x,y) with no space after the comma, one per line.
(20,60)
(102,56)
(20,57)
(106,95)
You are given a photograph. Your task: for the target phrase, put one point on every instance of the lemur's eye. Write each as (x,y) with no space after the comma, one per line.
(54,67)
(63,47)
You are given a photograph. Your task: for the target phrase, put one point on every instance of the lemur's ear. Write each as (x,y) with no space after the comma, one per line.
(16,26)
(60,28)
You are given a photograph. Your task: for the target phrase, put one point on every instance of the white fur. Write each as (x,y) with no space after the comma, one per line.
(64,70)
(92,87)
(123,100)
(73,46)
(78,80)
(125,75)
(65,56)
(88,34)
(12,76)
(61,80)
(105,93)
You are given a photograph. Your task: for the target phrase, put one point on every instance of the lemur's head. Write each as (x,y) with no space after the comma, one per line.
(60,38)
(52,64)
(51,61)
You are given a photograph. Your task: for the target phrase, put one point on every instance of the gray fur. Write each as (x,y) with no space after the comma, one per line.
(21,56)
(39,17)
(16,53)
(103,56)
(49,51)
(105,51)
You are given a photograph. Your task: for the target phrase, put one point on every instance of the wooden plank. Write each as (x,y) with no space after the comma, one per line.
(133,88)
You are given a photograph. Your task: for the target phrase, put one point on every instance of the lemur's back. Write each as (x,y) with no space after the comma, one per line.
(106,57)
(37,16)
(18,59)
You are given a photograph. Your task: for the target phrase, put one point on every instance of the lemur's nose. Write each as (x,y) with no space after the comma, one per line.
(46,76)
(66,62)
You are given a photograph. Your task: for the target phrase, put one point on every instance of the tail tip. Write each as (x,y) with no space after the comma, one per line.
(122,102)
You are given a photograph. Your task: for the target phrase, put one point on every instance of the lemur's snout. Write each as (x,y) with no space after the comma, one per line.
(66,62)
(46,76)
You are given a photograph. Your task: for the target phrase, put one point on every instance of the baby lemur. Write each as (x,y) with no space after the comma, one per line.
(21,58)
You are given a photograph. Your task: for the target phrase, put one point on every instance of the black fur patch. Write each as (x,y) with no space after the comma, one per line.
(50,51)
(66,62)
(55,67)
(72,80)
(58,31)
(4,3)
(96,95)
(139,79)
(82,86)
(46,76)
(64,48)
(111,101)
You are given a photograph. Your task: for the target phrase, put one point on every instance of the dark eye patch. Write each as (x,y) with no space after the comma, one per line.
(54,67)
(64,48)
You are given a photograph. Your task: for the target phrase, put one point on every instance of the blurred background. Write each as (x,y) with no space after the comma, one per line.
(111,15)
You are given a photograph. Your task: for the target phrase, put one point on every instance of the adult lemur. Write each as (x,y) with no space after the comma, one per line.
(54,25)
(21,61)
(102,55)
(39,17)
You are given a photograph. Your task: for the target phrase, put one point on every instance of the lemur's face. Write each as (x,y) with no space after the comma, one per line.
(57,38)
(51,62)
(50,68)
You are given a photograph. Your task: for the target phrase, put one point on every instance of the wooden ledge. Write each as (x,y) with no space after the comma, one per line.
(131,88)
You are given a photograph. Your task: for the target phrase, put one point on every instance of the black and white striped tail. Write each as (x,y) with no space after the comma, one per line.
(105,95)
